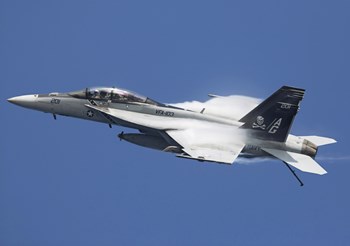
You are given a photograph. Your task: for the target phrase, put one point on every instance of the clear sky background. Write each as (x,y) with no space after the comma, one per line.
(72,182)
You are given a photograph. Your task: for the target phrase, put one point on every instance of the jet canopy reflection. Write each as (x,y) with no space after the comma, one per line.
(116,95)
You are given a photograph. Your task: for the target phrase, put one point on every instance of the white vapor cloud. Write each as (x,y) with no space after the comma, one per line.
(333,158)
(217,136)
(256,160)
(232,107)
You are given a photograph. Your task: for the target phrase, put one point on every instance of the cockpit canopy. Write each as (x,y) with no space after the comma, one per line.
(113,95)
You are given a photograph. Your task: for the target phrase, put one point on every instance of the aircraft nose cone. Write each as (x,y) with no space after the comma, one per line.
(24,101)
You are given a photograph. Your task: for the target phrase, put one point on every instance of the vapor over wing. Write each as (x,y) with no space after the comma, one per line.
(204,146)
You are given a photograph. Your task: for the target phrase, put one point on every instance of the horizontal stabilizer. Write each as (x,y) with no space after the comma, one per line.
(302,162)
(319,141)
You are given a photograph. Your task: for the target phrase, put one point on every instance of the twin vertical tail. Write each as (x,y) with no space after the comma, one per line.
(273,118)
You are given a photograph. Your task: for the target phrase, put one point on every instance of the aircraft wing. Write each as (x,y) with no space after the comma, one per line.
(302,162)
(209,143)
(203,147)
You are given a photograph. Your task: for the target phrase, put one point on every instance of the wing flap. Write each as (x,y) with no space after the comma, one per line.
(302,162)
(206,150)
(213,155)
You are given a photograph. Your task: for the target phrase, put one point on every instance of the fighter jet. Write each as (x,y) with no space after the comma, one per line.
(262,132)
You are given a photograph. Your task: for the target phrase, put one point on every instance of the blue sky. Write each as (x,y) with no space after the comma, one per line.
(72,182)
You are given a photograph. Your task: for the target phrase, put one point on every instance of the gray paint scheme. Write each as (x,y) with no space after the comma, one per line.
(115,106)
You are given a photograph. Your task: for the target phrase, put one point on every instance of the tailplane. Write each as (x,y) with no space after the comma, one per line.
(319,141)
(273,118)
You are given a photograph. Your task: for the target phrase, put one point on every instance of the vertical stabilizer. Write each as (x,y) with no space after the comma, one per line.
(273,118)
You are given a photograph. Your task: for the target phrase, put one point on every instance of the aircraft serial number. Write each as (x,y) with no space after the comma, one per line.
(55,101)
(252,147)
(164,113)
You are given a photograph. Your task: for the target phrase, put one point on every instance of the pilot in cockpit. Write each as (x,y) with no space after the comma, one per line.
(113,94)
(103,95)
(94,94)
